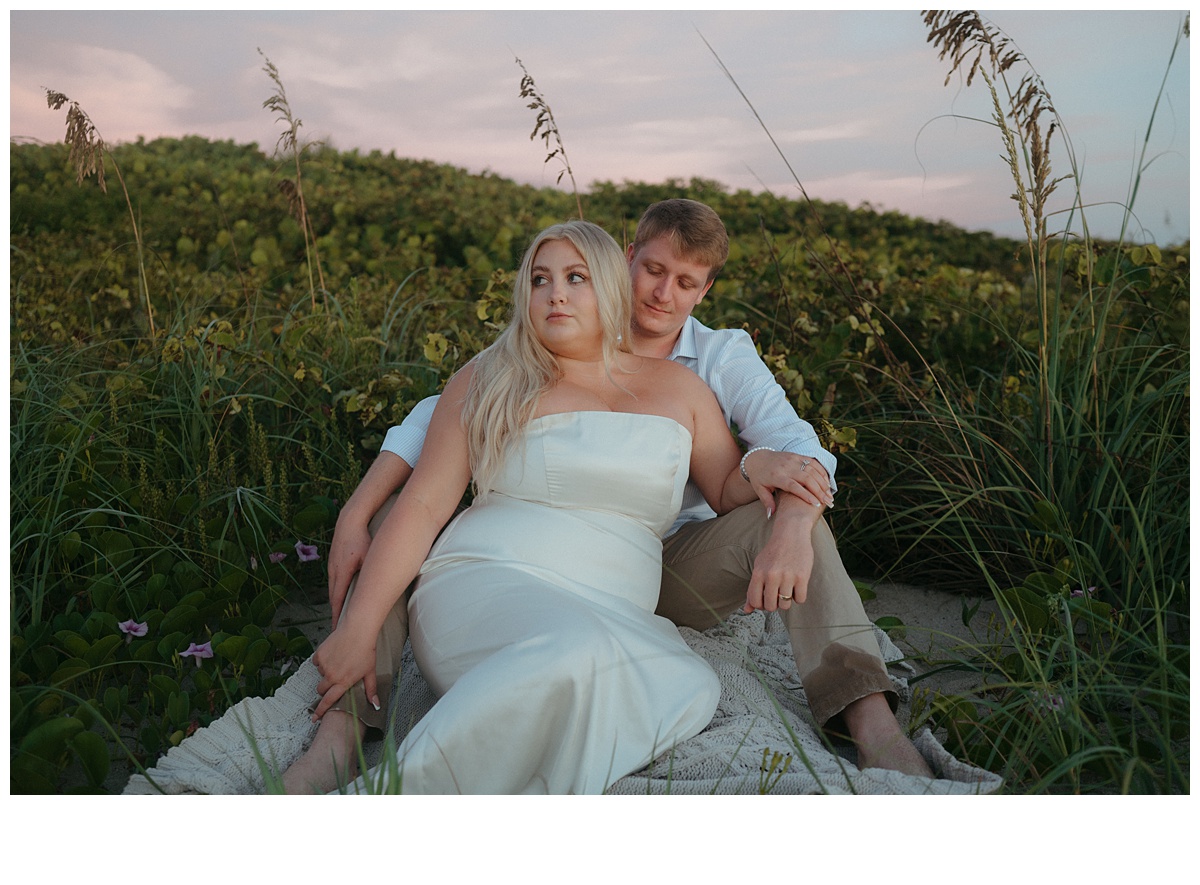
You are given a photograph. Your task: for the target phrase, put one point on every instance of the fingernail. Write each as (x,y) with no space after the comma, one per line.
(375,704)
(770,512)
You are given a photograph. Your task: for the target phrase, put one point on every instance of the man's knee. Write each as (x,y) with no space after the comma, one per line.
(707,566)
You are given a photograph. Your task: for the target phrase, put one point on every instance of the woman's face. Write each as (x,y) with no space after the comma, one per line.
(563,307)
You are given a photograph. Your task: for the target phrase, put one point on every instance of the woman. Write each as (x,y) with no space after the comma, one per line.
(533,615)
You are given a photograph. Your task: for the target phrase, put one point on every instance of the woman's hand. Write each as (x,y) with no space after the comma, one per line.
(797,475)
(342,660)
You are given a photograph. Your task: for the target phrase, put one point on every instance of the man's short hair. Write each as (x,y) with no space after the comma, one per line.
(695,231)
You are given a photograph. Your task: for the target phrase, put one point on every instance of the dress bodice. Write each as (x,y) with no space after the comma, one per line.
(583,499)
(630,465)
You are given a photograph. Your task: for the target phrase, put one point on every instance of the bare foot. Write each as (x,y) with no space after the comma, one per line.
(898,754)
(880,742)
(331,761)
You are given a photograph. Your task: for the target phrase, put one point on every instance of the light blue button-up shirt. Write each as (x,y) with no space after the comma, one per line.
(746,390)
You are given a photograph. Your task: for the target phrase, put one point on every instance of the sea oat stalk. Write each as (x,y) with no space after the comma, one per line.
(547,128)
(88,151)
(293,190)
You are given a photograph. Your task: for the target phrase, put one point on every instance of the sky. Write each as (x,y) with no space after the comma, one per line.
(855,100)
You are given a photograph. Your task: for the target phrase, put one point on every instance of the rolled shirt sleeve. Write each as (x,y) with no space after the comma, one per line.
(408,438)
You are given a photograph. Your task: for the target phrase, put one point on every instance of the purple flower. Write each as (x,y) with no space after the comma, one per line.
(277,557)
(307,552)
(204,650)
(132,628)
(1078,592)
(1053,702)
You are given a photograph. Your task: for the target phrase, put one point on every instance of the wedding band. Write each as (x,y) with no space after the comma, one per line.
(782,597)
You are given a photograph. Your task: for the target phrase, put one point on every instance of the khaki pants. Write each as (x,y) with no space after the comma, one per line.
(706,570)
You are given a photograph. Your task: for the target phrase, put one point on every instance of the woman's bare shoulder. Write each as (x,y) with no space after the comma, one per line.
(460,381)
(679,382)
(670,372)
(454,394)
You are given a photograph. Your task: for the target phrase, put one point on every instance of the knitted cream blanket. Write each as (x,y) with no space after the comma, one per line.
(761,739)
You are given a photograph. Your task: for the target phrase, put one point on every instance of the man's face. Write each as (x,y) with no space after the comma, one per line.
(666,288)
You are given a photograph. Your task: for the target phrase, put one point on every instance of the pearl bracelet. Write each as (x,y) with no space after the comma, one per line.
(742,463)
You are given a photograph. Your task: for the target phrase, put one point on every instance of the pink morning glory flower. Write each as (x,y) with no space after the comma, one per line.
(1052,702)
(132,628)
(277,557)
(204,650)
(307,552)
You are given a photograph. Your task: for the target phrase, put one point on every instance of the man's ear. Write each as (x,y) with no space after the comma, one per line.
(707,286)
(629,254)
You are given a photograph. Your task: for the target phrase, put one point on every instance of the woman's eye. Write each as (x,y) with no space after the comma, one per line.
(576,277)
(538,280)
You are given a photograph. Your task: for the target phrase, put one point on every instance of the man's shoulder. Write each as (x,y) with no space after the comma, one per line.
(708,338)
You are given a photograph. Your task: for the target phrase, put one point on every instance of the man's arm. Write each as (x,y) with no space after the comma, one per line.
(800,471)
(754,402)
(390,470)
(351,535)
(785,563)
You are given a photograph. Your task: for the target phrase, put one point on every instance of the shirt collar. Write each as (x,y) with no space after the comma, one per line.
(685,344)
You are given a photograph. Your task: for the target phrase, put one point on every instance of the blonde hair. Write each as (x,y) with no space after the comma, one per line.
(511,374)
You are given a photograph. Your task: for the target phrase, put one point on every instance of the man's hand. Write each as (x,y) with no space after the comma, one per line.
(784,565)
(796,475)
(346,554)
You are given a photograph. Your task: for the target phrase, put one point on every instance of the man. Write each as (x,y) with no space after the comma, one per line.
(775,557)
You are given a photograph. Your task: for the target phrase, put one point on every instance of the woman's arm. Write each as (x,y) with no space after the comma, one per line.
(390,470)
(399,548)
(715,454)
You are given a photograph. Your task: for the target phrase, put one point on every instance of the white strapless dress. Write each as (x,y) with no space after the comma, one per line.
(533,618)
